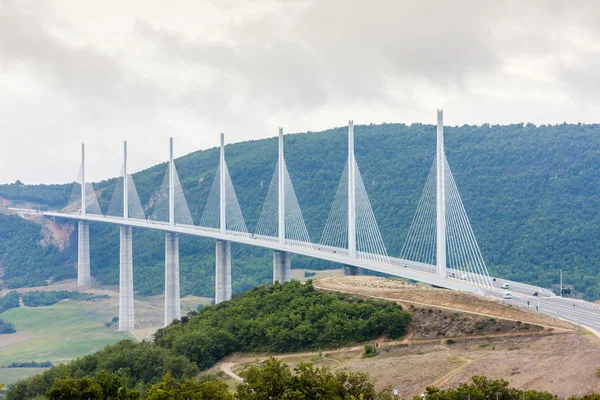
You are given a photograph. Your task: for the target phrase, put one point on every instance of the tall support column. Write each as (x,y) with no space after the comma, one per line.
(172,292)
(223,251)
(282,266)
(223,276)
(83,254)
(440,198)
(222,194)
(172,299)
(126,316)
(351,270)
(83,234)
(126,311)
(281,259)
(351,193)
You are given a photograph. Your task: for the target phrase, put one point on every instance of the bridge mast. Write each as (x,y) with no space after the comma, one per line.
(281,259)
(171,185)
(223,202)
(83,179)
(223,250)
(351,193)
(126,306)
(125,183)
(83,234)
(172,291)
(280,181)
(440,198)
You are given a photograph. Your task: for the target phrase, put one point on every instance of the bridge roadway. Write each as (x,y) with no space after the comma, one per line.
(396,267)
(579,312)
(576,311)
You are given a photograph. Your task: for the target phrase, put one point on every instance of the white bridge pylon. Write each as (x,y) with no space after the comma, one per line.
(222,211)
(440,233)
(169,201)
(281,216)
(82,190)
(351,223)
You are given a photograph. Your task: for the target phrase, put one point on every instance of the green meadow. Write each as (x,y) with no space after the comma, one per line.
(63,331)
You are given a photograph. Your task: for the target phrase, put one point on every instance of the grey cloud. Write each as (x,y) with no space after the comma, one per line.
(93,81)
(277,61)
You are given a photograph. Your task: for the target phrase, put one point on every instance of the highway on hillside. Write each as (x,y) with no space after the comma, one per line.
(576,311)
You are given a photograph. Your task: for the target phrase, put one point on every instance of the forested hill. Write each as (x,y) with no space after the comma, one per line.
(532,195)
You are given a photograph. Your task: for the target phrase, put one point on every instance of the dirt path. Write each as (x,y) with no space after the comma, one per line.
(227,369)
(443,379)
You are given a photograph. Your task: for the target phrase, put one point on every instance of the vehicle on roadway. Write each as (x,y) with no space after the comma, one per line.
(536,294)
(507,295)
(463,277)
(505,285)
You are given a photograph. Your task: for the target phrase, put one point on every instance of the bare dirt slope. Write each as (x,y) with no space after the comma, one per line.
(562,363)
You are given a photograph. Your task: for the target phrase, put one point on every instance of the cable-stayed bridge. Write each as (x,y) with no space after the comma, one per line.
(440,249)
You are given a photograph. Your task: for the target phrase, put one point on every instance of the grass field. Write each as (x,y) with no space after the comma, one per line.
(71,329)
(61,332)
(10,375)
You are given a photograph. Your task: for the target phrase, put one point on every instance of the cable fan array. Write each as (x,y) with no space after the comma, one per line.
(268,223)
(463,256)
(234,222)
(369,242)
(161,201)
(91,201)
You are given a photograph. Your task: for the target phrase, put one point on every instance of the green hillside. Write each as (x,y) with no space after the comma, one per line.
(531,194)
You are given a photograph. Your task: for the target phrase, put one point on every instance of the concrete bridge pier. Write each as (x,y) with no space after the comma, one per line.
(351,270)
(172,298)
(83,254)
(126,311)
(282,266)
(223,271)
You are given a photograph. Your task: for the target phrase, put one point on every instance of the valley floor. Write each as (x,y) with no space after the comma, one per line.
(71,329)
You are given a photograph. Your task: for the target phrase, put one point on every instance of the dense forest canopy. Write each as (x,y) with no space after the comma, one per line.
(531,193)
(281,318)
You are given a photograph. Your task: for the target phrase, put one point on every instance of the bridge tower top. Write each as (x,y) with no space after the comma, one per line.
(222,194)
(125,183)
(281,190)
(83,195)
(440,198)
(351,192)
(171,185)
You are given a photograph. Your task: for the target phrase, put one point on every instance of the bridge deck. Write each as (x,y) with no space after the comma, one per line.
(398,267)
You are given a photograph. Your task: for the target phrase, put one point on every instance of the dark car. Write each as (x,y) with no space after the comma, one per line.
(535,293)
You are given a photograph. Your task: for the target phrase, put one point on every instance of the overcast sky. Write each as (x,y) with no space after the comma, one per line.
(99,72)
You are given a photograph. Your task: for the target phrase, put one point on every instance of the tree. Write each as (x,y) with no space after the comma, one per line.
(74,389)
(273,380)
(270,380)
(171,389)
